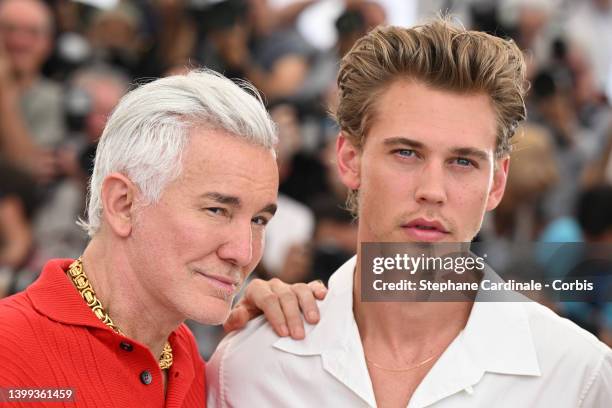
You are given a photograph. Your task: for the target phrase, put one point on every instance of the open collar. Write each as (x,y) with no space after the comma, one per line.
(497,339)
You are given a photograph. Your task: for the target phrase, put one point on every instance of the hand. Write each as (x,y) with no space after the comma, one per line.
(281,304)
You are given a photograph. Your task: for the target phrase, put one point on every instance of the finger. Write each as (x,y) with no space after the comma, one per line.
(290,307)
(318,288)
(237,319)
(260,296)
(307,302)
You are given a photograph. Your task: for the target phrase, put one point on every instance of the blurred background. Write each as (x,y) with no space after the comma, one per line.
(64,64)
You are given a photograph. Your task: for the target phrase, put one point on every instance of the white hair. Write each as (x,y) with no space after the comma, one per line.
(145,136)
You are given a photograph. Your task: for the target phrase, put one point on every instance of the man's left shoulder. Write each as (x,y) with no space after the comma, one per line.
(559,339)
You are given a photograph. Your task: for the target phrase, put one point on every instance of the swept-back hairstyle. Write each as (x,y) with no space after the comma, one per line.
(438,54)
(149,129)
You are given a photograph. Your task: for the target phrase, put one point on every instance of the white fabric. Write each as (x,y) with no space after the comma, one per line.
(509,355)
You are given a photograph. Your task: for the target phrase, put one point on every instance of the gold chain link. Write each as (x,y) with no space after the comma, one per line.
(77,274)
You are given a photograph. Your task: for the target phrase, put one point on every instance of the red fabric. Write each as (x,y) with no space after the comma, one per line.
(50,338)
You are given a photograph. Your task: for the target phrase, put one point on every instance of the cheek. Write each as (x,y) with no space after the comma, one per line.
(259,239)
(470,200)
(384,185)
(171,235)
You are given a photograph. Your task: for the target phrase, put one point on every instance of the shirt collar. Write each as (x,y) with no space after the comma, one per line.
(336,313)
(54,296)
(341,353)
(497,339)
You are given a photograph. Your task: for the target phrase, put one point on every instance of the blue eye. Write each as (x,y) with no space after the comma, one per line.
(464,162)
(405,152)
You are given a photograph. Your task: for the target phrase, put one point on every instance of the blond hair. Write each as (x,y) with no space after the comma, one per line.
(439,55)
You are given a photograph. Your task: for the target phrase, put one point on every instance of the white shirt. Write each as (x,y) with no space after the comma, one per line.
(510,354)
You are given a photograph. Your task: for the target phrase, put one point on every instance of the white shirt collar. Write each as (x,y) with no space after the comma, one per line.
(496,339)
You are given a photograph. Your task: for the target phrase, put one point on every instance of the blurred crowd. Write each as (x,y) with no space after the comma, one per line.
(64,64)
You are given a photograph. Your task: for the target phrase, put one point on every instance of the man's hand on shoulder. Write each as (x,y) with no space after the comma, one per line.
(281,303)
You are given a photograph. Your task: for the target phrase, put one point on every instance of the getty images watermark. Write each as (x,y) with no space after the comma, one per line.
(575,272)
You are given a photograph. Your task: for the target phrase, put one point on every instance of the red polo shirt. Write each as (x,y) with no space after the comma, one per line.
(49,337)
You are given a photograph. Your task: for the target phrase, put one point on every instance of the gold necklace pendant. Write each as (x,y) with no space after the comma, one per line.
(79,279)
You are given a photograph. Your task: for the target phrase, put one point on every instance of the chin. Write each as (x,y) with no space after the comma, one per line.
(211,313)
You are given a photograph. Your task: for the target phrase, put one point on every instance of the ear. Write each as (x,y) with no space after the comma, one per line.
(500,176)
(348,160)
(118,193)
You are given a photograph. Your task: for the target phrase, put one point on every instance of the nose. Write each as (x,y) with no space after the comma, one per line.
(430,187)
(238,249)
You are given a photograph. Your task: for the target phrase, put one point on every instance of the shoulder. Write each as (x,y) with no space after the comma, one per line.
(22,351)
(257,367)
(565,350)
(560,337)
(17,316)
(253,367)
(257,336)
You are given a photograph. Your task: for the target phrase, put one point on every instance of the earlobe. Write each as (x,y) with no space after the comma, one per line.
(118,203)
(500,177)
(348,161)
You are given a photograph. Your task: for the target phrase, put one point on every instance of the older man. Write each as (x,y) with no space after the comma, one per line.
(426,115)
(184,182)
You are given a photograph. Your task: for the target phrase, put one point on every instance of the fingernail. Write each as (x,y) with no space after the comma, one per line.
(284,331)
(298,332)
(312,315)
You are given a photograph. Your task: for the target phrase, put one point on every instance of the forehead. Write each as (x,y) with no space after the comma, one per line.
(216,160)
(436,118)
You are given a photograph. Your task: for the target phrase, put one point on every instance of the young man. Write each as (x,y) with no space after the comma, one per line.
(426,115)
(184,182)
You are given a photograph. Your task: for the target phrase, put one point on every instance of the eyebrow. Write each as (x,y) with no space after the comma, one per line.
(392,141)
(235,202)
(270,208)
(471,152)
(459,151)
(232,201)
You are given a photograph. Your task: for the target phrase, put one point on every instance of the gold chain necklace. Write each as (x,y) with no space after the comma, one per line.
(397,370)
(77,274)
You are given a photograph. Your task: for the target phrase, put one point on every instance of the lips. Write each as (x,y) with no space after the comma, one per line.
(424,230)
(224,283)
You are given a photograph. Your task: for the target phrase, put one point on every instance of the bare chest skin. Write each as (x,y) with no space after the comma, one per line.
(394,389)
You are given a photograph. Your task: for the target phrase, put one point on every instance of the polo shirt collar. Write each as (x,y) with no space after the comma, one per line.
(54,296)
(496,339)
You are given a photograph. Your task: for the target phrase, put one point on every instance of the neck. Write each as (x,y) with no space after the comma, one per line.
(406,330)
(135,311)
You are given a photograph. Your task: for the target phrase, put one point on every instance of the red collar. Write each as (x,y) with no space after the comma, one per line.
(54,296)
